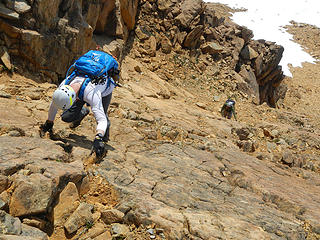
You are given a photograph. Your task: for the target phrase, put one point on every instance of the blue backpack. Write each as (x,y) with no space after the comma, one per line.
(95,66)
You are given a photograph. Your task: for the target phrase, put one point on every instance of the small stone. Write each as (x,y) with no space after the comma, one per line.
(137,69)
(2,204)
(151,231)
(4,95)
(14,133)
(132,115)
(119,229)
(112,216)
(201,105)
(216,98)
(274,133)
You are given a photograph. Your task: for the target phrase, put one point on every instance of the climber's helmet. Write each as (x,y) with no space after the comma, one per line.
(64,97)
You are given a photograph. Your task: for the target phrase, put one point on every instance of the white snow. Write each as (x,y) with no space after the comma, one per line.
(267,18)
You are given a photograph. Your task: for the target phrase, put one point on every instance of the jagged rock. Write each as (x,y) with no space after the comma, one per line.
(68,202)
(211,48)
(166,46)
(2,204)
(164,5)
(112,216)
(141,34)
(28,231)
(250,78)
(181,36)
(114,48)
(246,33)
(190,9)
(288,158)
(9,224)
(247,145)
(3,183)
(119,229)
(238,43)
(20,6)
(7,13)
(5,58)
(97,230)
(36,222)
(5,199)
(153,46)
(248,53)
(11,31)
(243,133)
(31,195)
(193,37)
(129,10)
(80,217)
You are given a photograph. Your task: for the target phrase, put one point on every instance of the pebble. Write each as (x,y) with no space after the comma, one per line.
(4,95)
(151,231)
(14,133)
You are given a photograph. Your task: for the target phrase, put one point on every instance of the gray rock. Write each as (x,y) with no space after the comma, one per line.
(9,224)
(2,204)
(4,95)
(132,115)
(248,53)
(14,133)
(81,216)
(287,158)
(119,229)
(33,232)
(21,6)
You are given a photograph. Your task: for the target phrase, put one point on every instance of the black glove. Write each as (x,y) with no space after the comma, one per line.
(98,146)
(46,127)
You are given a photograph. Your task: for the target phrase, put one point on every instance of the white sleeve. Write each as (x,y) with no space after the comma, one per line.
(52,112)
(52,109)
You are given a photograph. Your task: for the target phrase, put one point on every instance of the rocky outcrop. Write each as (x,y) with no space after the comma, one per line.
(194,25)
(46,36)
(72,27)
(259,65)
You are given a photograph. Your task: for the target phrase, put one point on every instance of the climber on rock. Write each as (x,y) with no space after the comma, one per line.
(92,80)
(228,109)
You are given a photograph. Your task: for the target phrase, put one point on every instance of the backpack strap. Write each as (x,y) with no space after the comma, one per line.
(72,66)
(70,78)
(83,87)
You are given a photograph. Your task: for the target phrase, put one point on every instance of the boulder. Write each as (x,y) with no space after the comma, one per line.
(67,204)
(9,224)
(80,217)
(31,195)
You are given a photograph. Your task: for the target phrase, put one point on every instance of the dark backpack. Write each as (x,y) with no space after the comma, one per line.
(95,66)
